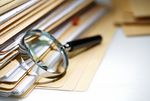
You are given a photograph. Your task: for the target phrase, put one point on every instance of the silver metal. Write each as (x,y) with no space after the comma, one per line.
(58,61)
(67,47)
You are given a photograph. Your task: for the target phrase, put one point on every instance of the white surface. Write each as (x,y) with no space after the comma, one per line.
(124,75)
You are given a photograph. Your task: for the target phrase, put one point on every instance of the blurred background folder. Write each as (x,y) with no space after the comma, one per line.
(133,15)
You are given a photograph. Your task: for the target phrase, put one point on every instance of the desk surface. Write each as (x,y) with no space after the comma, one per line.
(124,75)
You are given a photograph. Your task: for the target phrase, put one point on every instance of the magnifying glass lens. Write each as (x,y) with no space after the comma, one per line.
(46,52)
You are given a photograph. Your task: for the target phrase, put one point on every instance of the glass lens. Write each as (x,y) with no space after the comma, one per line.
(46,52)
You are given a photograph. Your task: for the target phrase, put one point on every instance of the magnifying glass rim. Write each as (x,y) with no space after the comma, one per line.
(33,56)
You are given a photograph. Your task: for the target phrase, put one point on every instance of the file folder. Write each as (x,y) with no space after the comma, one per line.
(17,76)
(128,15)
(10,5)
(2,2)
(75,70)
(21,14)
(22,25)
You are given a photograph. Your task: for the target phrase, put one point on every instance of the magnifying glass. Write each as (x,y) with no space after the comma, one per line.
(49,54)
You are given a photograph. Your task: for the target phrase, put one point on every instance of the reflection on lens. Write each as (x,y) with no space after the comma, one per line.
(46,52)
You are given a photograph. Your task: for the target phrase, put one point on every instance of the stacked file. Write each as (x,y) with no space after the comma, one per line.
(66,20)
(133,16)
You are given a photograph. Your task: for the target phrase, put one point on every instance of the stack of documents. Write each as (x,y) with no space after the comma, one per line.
(133,16)
(66,20)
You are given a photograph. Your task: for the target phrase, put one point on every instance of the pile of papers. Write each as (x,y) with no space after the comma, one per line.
(133,16)
(66,20)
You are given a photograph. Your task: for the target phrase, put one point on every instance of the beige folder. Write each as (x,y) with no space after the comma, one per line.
(11,87)
(70,14)
(25,18)
(80,65)
(91,58)
(82,68)
(8,68)
(82,19)
(124,14)
(30,20)
(8,87)
(13,31)
(140,8)
(136,30)
(14,62)
(11,5)
(81,72)
(22,14)
(4,2)
(129,19)
(8,56)
(97,53)
(66,17)
(125,17)
(4,86)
